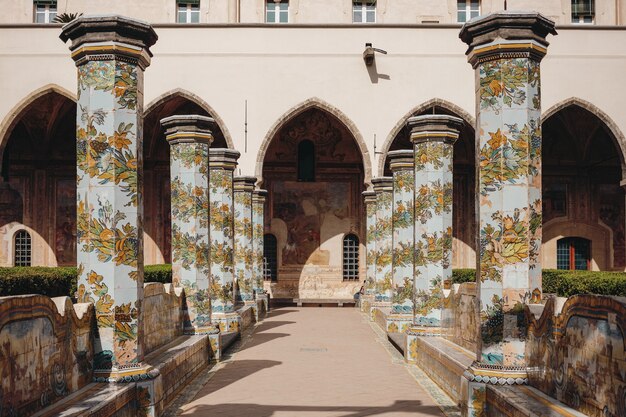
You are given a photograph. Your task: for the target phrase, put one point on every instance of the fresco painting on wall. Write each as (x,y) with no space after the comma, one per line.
(65,235)
(304,207)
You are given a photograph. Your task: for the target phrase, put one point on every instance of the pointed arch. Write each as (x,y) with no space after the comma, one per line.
(615,131)
(179,92)
(460,112)
(312,103)
(16,113)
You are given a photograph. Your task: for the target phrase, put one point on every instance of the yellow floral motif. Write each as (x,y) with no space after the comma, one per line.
(413,349)
(392,328)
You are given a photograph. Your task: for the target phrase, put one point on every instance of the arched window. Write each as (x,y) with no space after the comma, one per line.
(573,253)
(350,257)
(270,258)
(306,161)
(22,249)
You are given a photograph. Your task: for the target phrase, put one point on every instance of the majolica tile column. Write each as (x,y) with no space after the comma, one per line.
(243,188)
(258,230)
(370,242)
(401,165)
(383,187)
(111,53)
(505,50)
(189,137)
(433,138)
(222,163)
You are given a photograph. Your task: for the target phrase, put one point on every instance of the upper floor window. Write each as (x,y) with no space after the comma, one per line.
(466,10)
(188,11)
(277,11)
(22,249)
(270,258)
(306,161)
(45,11)
(573,253)
(583,11)
(364,11)
(350,257)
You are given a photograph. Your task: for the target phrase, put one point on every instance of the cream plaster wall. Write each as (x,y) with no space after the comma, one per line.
(276,68)
(310,11)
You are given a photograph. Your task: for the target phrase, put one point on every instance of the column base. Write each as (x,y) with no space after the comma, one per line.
(129,373)
(365,303)
(475,381)
(226,322)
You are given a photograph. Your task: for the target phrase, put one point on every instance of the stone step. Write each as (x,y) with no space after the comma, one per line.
(525,401)
(97,398)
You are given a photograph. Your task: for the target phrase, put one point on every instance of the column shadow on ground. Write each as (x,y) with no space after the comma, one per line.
(233,372)
(279,311)
(408,407)
(268,325)
(260,338)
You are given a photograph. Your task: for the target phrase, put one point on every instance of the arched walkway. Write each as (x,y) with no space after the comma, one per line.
(310,362)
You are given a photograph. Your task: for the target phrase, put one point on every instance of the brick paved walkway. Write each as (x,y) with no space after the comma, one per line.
(311,362)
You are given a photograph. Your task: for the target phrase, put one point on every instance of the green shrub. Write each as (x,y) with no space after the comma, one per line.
(53,282)
(460,276)
(60,281)
(566,283)
(158,273)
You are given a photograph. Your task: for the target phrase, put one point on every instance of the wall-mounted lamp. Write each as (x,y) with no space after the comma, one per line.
(368,54)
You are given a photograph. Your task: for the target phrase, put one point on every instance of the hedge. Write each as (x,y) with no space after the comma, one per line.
(60,281)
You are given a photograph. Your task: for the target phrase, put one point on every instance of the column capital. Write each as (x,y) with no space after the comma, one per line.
(223,158)
(259,195)
(401,160)
(107,37)
(369,197)
(188,129)
(381,184)
(506,35)
(434,127)
(244,183)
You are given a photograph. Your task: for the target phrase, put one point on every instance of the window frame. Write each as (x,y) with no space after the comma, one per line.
(27,244)
(278,12)
(267,264)
(578,19)
(350,266)
(365,6)
(467,10)
(571,242)
(189,11)
(49,13)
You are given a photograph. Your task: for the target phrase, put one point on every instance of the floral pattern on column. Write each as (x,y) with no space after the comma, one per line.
(222,163)
(433,138)
(109,146)
(383,187)
(258,228)
(370,242)
(189,138)
(244,253)
(401,164)
(505,52)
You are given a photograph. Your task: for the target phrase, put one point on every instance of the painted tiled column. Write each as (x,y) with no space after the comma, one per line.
(401,165)
(505,50)
(433,138)
(189,137)
(111,53)
(370,242)
(383,187)
(258,230)
(222,163)
(243,188)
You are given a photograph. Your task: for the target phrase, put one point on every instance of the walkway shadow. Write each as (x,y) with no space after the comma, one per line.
(399,407)
(279,311)
(260,338)
(268,325)
(233,372)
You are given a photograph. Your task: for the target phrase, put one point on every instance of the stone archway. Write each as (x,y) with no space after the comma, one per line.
(313,169)
(39,165)
(315,102)
(464,219)
(583,167)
